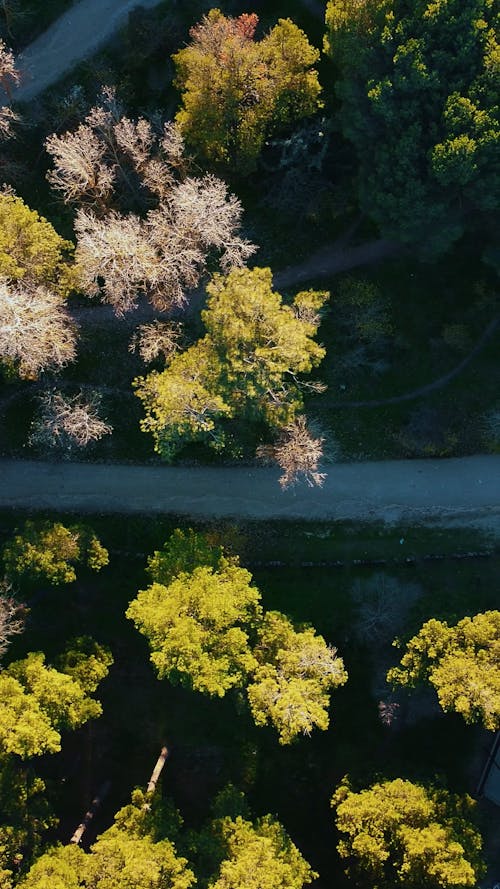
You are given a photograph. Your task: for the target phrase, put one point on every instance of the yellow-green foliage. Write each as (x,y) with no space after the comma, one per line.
(206,628)
(182,403)
(30,248)
(236,90)
(118,860)
(197,627)
(50,551)
(400,833)
(260,855)
(462,662)
(38,701)
(297,671)
(244,366)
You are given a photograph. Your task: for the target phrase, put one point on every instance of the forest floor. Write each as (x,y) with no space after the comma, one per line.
(462,492)
(74,36)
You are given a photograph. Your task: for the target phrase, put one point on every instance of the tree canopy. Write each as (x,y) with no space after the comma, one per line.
(461,662)
(38,701)
(207,629)
(246,365)
(297,671)
(260,854)
(197,627)
(31,251)
(236,90)
(50,550)
(418,85)
(397,833)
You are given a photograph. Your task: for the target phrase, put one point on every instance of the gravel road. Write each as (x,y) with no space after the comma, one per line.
(74,36)
(464,491)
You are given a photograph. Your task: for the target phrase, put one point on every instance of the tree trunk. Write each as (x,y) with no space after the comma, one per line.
(157,771)
(96,802)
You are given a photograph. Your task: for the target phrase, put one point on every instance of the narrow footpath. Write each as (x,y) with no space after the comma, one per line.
(74,36)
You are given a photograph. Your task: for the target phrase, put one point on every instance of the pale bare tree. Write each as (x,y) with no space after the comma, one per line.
(80,167)
(110,159)
(11,617)
(36,331)
(116,251)
(165,254)
(297,452)
(68,421)
(160,338)
(9,77)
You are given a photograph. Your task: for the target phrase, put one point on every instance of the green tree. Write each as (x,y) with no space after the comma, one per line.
(247,364)
(236,90)
(461,662)
(260,854)
(31,251)
(296,673)
(418,85)
(397,833)
(198,625)
(182,553)
(50,550)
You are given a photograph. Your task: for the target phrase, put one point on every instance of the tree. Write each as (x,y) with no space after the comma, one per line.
(31,251)
(50,550)
(236,90)
(36,331)
(461,662)
(397,833)
(9,76)
(159,338)
(121,858)
(37,702)
(182,403)
(206,629)
(11,618)
(297,671)
(182,553)
(260,855)
(417,83)
(246,365)
(297,453)
(67,422)
(198,626)
(110,164)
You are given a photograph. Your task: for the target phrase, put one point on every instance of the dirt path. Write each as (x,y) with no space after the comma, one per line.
(335,258)
(465,490)
(74,36)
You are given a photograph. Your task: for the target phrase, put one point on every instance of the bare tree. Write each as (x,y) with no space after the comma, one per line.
(9,77)
(111,163)
(36,331)
(297,452)
(155,339)
(68,422)
(11,617)
(80,169)
(165,254)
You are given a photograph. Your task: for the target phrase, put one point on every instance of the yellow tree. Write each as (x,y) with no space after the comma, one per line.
(397,833)
(461,662)
(236,90)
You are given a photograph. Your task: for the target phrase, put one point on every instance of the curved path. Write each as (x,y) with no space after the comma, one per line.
(74,36)
(465,490)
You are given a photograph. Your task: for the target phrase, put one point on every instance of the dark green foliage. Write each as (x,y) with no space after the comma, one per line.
(419,90)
